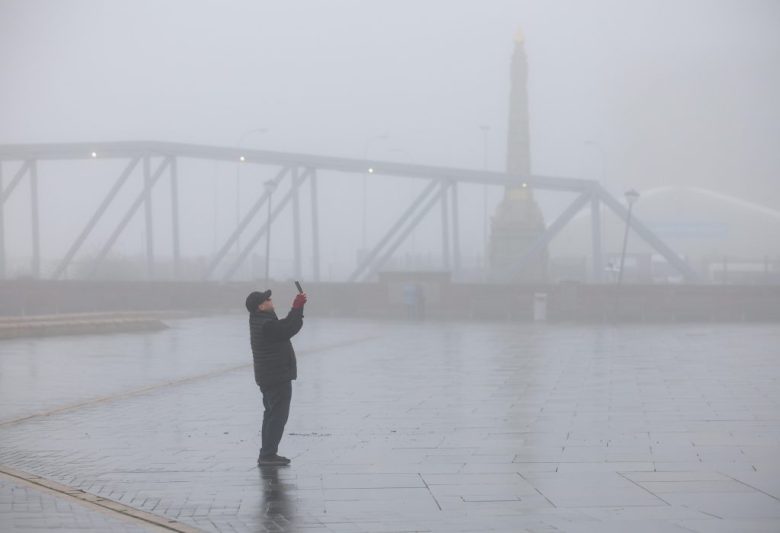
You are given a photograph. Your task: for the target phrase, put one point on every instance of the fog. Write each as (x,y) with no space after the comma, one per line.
(594,342)
(653,95)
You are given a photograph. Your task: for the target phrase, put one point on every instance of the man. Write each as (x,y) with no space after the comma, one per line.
(275,367)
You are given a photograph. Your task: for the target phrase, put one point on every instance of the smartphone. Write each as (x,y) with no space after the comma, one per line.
(298,285)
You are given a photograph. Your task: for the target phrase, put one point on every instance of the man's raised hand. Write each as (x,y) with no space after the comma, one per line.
(299,301)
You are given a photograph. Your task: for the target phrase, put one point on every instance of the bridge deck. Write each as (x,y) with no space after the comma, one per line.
(129,149)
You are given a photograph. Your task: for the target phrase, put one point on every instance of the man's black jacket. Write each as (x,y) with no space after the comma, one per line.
(272,350)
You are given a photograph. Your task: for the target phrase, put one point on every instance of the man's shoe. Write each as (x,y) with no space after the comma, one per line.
(272,460)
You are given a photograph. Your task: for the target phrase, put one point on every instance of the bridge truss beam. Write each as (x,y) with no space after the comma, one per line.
(446,178)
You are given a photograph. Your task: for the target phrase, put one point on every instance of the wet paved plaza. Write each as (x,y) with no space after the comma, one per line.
(397,426)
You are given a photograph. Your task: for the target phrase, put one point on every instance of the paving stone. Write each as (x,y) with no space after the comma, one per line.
(398,426)
(24,508)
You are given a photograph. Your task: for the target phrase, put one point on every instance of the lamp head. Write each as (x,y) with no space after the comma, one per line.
(631,196)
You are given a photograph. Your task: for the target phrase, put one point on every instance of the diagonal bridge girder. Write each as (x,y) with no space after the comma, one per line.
(433,199)
(247,218)
(385,240)
(96,216)
(139,199)
(298,180)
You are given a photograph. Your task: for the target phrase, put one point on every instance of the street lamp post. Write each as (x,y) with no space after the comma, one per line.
(631,197)
(366,146)
(238,186)
(269,186)
(485,130)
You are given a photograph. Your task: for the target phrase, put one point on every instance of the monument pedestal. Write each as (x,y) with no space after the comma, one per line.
(517,224)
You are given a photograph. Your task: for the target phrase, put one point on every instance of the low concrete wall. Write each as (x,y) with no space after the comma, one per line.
(443,300)
(77,324)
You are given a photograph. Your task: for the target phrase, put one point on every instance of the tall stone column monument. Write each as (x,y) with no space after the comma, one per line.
(518,220)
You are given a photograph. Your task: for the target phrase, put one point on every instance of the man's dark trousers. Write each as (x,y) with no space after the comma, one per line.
(276,400)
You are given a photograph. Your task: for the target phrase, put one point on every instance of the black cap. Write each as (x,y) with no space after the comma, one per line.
(256,298)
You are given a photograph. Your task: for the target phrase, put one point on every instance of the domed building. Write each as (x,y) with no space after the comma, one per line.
(723,238)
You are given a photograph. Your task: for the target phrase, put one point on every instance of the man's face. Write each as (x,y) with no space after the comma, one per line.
(267,305)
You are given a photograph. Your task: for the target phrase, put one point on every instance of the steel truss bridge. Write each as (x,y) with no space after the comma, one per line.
(159,160)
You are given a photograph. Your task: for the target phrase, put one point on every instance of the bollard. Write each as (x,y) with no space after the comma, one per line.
(540,306)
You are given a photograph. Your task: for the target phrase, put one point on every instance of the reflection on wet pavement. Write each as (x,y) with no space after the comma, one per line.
(399,426)
(277,509)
